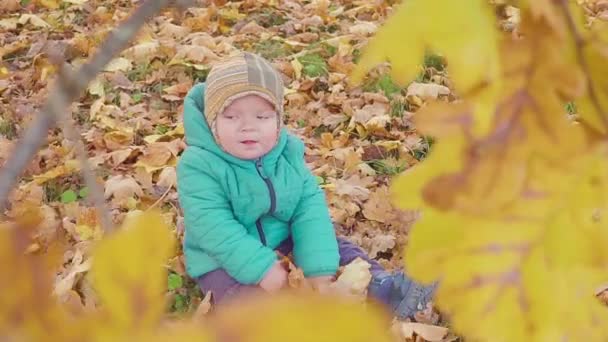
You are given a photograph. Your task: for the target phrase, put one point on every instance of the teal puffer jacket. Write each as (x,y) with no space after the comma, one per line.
(236,212)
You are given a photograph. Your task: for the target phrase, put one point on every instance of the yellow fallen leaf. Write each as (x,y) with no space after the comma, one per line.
(85,232)
(9,23)
(67,168)
(96,88)
(297,68)
(52,4)
(34,20)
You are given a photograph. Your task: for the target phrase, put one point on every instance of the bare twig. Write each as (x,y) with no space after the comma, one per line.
(161,198)
(96,192)
(68,90)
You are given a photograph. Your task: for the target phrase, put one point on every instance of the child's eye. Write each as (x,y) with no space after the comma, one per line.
(262,117)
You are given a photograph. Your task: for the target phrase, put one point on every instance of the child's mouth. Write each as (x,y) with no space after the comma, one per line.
(248,142)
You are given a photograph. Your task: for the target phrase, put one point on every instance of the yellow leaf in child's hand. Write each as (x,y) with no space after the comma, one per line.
(128,272)
(354,279)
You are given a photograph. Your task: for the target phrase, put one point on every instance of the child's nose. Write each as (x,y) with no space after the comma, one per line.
(248,125)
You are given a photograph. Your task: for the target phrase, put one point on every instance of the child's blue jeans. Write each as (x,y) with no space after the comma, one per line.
(223,286)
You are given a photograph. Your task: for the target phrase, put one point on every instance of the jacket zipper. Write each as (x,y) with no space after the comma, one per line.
(273,199)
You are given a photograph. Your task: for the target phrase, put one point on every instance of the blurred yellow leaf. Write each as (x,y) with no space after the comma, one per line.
(129,275)
(472,53)
(292,315)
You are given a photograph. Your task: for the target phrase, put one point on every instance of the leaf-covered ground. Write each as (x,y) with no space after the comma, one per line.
(130,116)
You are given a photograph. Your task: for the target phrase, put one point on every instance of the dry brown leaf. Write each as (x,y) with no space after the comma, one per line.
(167,177)
(9,5)
(118,64)
(67,279)
(156,156)
(381,243)
(117,140)
(203,308)
(252,28)
(142,52)
(363,28)
(354,187)
(194,53)
(378,207)
(170,30)
(365,114)
(427,90)
(122,187)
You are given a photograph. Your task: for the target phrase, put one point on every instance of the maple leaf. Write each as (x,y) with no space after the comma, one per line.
(128,272)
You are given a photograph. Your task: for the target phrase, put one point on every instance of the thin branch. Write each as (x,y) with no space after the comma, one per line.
(72,133)
(68,90)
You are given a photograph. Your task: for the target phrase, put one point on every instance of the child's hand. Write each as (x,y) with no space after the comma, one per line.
(275,279)
(321,284)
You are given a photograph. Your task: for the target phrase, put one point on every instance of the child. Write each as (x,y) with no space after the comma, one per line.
(246,191)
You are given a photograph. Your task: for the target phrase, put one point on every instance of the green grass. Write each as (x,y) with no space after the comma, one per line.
(389,167)
(427,144)
(161,129)
(271,49)
(139,72)
(197,75)
(398,107)
(269,18)
(185,292)
(383,83)
(571,108)
(314,65)
(432,60)
(8,129)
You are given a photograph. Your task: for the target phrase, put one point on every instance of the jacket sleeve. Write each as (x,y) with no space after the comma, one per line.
(315,245)
(210,223)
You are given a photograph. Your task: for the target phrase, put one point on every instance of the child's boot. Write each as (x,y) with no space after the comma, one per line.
(401,294)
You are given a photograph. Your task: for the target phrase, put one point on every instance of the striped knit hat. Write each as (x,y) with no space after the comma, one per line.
(237,76)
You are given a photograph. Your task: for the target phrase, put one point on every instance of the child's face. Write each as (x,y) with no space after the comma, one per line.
(248,127)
